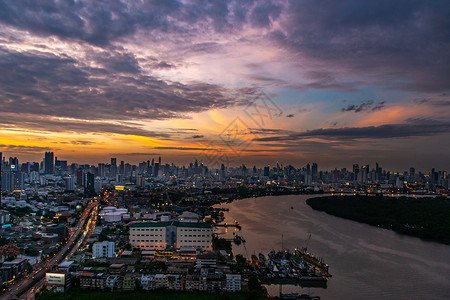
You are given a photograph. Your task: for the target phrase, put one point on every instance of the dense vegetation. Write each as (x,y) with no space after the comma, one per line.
(426,218)
(157,294)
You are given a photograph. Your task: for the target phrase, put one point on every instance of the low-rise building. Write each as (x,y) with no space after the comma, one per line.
(148,282)
(59,282)
(233,283)
(206,260)
(103,249)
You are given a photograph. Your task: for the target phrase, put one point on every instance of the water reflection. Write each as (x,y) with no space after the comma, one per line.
(366,262)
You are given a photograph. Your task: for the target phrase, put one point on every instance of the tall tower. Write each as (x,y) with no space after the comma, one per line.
(48,163)
(314,169)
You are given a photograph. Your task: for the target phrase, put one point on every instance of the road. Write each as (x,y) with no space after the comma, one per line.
(27,283)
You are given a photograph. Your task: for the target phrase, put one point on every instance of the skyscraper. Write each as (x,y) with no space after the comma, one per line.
(355,172)
(14,163)
(412,174)
(122,168)
(113,167)
(314,169)
(156,170)
(48,163)
(89,189)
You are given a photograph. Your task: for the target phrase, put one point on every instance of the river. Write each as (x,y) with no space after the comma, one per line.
(366,262)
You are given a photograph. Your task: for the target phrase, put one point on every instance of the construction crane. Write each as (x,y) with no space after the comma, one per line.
(306,243)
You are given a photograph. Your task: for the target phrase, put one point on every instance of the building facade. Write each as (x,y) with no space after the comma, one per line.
(103,249)
(170,235)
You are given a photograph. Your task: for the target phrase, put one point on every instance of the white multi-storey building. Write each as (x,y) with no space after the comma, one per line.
(103,249)
(170,235)
(233,283)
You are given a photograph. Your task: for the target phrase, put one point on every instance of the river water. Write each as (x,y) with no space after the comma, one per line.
(366,262)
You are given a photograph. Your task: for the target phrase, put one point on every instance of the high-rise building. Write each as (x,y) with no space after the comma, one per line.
(89,188)
(60,164)
(13,181)
(156,169)
(70,184)
(101,169)
(13,164)
(80,177)
(355,172)
(412,174)
(122,167)
(113,167)
(48,163)
(267,171)
(98,185)
(314,169)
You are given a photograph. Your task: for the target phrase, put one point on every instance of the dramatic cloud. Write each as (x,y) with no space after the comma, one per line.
(397,42)
(44,84)
(31,123)
(186,148)
(413,128)
(148,69)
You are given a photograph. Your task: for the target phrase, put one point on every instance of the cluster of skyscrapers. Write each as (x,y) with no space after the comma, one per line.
(89,179)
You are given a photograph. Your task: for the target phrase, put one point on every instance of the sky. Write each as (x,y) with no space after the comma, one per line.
(227,82)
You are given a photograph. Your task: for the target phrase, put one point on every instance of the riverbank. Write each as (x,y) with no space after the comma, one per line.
(426,218)
(79,294)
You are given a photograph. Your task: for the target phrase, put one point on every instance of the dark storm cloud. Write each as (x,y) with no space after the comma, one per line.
(118,62)
(96,22)
(45,84)
(103,21)
(401,42)
(412,128)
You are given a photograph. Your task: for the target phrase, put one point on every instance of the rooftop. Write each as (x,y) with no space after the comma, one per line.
(170,223)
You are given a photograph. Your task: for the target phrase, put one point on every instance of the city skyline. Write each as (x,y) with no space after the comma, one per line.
(49,161)
(252,83)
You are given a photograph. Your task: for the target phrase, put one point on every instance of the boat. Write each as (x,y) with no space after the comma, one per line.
(238,240)
(289,296)
(318,262)
(262,259)
(255,259)
(298,297)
